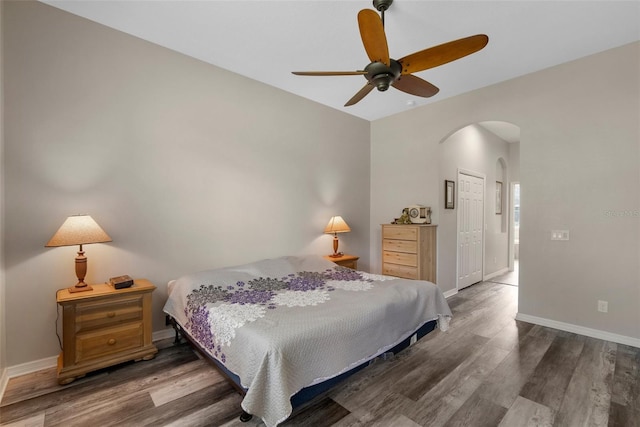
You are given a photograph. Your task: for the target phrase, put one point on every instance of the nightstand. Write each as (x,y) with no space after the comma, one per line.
(349,261)
(104,327)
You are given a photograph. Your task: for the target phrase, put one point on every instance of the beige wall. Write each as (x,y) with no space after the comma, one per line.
(579,170)
(185,165)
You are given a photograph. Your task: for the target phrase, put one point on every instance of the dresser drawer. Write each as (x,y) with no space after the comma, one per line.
(106,313)
(407,246)
(108,341)
(400,271)
(400,233)
(401,258)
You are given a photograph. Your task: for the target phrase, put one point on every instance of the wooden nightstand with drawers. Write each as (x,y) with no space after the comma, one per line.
(344,260)
(104,327)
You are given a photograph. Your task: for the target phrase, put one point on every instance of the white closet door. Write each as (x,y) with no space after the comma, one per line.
(470,229)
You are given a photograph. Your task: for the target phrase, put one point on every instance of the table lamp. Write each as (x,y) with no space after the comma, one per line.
(79,230)
(336,225)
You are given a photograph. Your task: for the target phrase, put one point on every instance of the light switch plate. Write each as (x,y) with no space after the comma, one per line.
(559,234)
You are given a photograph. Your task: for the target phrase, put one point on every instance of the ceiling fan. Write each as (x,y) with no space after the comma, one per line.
(383,71)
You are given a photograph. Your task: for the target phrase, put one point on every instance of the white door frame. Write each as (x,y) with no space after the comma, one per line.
(511,225)
(483,177)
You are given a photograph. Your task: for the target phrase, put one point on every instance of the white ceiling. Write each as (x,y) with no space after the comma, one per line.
(266,40)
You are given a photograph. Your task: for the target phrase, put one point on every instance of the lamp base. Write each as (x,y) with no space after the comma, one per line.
(336,255)
(81,272)
(80,287)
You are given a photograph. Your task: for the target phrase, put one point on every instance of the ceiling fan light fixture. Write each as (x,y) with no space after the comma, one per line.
(382,76)
(382,81)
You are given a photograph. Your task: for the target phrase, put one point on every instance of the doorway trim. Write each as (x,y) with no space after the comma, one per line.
(512,229)
(483,177)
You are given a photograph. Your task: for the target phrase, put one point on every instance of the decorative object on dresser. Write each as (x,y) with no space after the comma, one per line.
(404,218)
(409,251)
(336,225)
(344,260)
(414,214)
(419,214)
(104,327)
(79,230)
(449,194)
(121,282)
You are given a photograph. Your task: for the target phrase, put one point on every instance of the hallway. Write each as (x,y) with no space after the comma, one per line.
(508,278)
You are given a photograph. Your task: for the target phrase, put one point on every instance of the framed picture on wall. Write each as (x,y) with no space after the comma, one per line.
(498,198)
(449,194)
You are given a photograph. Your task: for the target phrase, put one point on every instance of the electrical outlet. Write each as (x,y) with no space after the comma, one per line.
(603,306)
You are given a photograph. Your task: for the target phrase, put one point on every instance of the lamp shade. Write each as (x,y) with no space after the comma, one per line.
(337,225)
(78,230)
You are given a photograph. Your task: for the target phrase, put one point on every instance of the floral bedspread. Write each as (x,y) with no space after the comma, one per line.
(288,323)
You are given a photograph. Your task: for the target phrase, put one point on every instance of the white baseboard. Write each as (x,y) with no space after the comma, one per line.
(450,293)
(23,369)
(581,330)
(4,380)
(29,367)
(496,274)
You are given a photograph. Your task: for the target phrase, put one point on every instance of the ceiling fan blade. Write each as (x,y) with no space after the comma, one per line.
(442,54)
(415,86)
(361,94)
(329,73)
(373,37)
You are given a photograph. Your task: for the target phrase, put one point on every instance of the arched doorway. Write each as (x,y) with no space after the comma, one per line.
(488,150)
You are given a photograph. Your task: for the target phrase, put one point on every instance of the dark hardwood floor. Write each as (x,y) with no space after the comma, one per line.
(487,370)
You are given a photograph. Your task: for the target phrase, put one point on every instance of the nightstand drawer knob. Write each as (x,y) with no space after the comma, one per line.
(111,314)
(111,341)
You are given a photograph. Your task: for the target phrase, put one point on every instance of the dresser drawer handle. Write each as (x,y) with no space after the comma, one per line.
(111,314)
(111,341)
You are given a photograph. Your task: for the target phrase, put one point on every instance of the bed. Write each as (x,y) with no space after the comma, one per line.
(285,329)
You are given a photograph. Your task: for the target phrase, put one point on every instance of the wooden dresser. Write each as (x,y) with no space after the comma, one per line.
(104,327)
(409,251)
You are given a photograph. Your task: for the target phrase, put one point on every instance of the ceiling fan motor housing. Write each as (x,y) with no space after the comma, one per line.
(382,5)
(381,75)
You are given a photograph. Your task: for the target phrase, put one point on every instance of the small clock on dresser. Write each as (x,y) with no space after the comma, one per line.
(419,214)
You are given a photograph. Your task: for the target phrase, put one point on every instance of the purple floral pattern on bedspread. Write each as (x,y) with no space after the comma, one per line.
(215,312)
